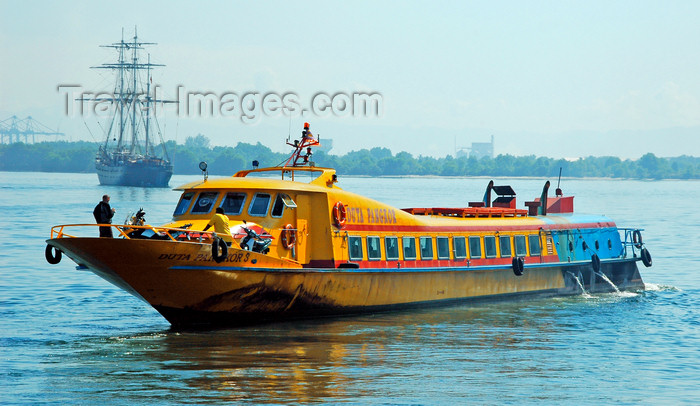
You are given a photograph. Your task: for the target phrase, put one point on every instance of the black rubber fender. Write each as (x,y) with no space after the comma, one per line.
(53,255)
(637,238)
(646,257)
(518,266)
(595,261)
(219,243)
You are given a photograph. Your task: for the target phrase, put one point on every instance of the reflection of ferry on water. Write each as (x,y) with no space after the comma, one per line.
(129,156)
(328,251)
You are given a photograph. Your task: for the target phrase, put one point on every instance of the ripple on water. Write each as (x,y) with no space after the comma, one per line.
(68,337)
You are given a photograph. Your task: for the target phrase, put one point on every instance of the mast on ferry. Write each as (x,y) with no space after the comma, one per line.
(302,149)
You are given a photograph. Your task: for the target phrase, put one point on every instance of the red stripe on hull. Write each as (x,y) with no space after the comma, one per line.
(529,227)
(445,263)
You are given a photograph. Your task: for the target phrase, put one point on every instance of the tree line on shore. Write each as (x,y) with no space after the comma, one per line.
(79,156)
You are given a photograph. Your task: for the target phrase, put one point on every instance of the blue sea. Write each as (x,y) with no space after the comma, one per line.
(69,337)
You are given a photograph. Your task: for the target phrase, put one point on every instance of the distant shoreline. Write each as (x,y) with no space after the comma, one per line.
(79,157)
(592,178)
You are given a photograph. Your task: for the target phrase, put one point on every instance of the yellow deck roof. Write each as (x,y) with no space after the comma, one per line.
(321,183)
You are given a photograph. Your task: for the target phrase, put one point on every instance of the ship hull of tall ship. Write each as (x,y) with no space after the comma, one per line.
(303,249)
(139,173)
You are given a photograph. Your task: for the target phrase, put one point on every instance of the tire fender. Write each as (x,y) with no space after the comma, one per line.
(518,266)
(53,255)
(637,238)
(646,257)
(595,261)
(217,244)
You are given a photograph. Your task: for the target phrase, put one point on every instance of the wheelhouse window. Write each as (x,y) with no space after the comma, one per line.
(520,246)
(355,248)
(233,203)
(443,247)
(474,247)
(391,246)
(409,248)
(534,241)
(204,203)
(426,248)
(460,246)
(183,204)
(490,246)
(283,200)
(259,205)
(374,252)
(504,240)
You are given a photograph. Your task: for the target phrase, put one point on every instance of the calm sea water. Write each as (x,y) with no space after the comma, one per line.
(69,337)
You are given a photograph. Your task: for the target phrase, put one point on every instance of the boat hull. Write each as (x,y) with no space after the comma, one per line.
(144,174)
(183,283)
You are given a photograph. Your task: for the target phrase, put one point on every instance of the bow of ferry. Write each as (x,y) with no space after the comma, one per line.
(336,252)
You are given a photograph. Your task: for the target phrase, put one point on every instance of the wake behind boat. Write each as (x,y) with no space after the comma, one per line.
(129,156)
(308,249)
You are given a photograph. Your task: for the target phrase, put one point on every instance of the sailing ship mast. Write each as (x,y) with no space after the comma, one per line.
(126,159)
(133,104)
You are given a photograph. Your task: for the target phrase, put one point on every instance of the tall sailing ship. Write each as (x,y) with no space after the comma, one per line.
(129,156)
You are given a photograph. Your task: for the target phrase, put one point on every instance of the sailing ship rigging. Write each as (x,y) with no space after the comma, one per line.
(129,156)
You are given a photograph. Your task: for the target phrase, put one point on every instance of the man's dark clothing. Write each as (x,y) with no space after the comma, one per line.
(103,215)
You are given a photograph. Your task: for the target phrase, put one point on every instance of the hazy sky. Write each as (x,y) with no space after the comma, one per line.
(555,78)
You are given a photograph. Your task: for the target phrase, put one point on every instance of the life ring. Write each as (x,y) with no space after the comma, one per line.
(340,215)
(646,257)
(52,258)
(595,261)
(518,266)
(288,237)
(637,238)
(219,243)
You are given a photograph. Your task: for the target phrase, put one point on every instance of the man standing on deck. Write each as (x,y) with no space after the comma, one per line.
(103,215)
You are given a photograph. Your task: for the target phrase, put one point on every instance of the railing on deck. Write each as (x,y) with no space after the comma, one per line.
(130,232)
(475,212)
(629,241)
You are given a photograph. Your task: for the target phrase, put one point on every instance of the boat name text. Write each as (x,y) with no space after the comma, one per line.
(234,257)
(357,215)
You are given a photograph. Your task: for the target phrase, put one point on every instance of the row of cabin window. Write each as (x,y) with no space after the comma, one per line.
(459,247)
(233,203)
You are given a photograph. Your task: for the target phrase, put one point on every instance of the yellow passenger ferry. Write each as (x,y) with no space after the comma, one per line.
(302,249)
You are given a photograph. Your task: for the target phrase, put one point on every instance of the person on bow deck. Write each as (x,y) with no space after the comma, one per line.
(221,226)
(103,214)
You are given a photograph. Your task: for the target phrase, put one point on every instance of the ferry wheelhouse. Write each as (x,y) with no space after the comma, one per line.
(301,249)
